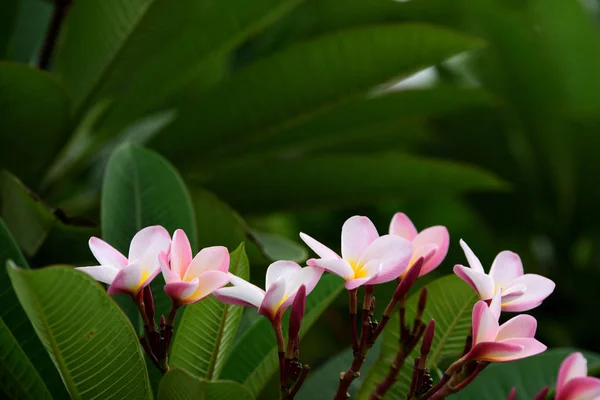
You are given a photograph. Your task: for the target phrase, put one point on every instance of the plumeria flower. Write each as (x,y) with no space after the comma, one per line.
(520,292)
(510,341)
(431,243)
(190,280)
(573,382)
(366,257)
(283,280)
(129,274)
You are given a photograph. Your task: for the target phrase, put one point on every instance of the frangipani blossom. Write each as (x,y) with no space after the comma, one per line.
(434,239)
(129,274)
(510,341)
(366,257)
(573,382)
(283,280)
(190,280)
(520,292)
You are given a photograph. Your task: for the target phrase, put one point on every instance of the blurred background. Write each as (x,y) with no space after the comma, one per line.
(286,115)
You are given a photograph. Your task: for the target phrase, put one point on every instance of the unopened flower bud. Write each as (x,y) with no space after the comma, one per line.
(542,394)
(297,314)
(408,280)
(513,394)
(427,339)
(422,303)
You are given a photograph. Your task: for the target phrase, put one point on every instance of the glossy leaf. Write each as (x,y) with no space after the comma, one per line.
(142,189)
(89,339)
(277,247)
(178,384)
(25,92)
(207,329)
(450,302)
(254,358)
(269,185)
(302,82)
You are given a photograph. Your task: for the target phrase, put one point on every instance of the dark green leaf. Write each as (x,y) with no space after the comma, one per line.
(207,329)
(89,339)
(277,247)
(30,26)
(180,385)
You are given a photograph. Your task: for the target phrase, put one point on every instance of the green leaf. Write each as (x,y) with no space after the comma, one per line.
(89,339)
(277,247)
(30,24)
(142,189)
(269,185)
(450,302)
(301,82)
(254,358)
(180,385)
(207,329)
(18,377)
(529,376)
(25,92)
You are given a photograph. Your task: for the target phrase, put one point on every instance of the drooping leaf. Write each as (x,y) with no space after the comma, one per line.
(342,180)
(450,302)
(89,339)
(26,92)
(301,82)
(207,329)
(18,376)
(180,385)
(529,376)
(254,358)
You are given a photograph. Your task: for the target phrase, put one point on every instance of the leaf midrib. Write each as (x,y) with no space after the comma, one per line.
(438,349)
(218,342)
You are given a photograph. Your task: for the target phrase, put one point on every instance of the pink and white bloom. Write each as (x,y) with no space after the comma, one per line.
(283,280)
(573,382)
(520,292)
(129,274)
(510,341)
(190,280)
(366,257)
(431,243)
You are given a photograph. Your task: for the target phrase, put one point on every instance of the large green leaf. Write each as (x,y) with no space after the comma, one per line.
(18,377)
(142,189)
(180,385)
(341,180)
(26,92)
(89,339)
(207,329)
(529,376)
(301,82)
(255,353)
(450,302)
(29,26)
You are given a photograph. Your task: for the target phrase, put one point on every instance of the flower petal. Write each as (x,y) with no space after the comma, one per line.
(482,283)
(339,267)
(512,293)
(496,305)
(106,254)
(273,300)
(474,262)
(210,258)
(181,253)
(531,347)
(495,352)
(280,269)
(582,388)
(402,226)
(521,326)
(129,280)
(242,293)
(168,275)
(181,291)
(320,249)
(354,283)
(438,236)
(148,243)
(357,235)
(537,289)
(574,366)
(392,252)
(209,281)
(506,267)
(307,276)
(485,323)
(101,273)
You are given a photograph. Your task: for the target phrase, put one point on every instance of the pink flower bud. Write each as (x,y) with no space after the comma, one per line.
(298,307)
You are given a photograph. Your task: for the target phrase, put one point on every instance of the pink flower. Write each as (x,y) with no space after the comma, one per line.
(431,243)
(519,292)
(366,258)
(511,341)
(573,382)
(129,275)
(190,280)
(283,280)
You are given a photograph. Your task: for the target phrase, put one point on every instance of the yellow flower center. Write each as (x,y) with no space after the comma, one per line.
(359,270)
(145,275)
